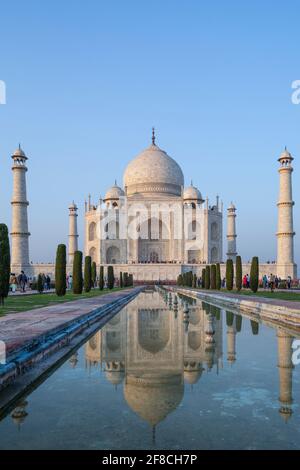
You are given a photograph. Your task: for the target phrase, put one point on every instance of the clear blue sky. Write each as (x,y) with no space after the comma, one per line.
(86,80)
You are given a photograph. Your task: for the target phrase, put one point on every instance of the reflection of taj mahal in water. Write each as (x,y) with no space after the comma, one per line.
(153,351)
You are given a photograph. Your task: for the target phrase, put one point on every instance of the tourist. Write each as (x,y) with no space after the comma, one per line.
(245,282)
(22,281)
(248,281)
(223,283)
(48,282)
(265,281)
(289,282)
(44,281)
(13,282)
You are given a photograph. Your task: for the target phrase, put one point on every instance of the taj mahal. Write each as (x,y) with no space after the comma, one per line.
(153,225)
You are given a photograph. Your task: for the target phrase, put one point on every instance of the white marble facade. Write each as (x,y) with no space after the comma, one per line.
(162,214)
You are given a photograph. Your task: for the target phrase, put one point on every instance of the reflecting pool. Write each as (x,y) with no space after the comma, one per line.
(167,373)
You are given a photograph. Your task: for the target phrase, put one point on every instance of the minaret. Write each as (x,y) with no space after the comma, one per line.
(73,232)
(285,234)
(285,367)
(231,233)
(19,231)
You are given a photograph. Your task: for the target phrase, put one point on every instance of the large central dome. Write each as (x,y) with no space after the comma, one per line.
(153,171)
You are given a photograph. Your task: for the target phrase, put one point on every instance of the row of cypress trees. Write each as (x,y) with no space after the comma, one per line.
(126,279)
(88,280)
(211,276)
(254,274)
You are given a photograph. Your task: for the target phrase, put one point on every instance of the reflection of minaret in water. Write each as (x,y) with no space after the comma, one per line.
(285,367)
(209,341)
(231,343)
(19,413)
(74,360)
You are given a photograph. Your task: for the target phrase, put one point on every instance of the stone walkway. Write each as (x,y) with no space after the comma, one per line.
(19,329)
(30,292)
(292,304)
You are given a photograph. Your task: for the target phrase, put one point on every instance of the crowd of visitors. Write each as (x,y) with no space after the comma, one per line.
(22,282)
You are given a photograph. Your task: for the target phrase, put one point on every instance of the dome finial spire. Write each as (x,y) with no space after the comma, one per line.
(153,135)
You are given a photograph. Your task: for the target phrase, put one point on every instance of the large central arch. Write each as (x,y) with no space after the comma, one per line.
(113,255)
(154,242)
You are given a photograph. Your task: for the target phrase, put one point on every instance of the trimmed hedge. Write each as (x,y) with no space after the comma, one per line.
(40,283)
(61,270)
(238,273)
(203,279)
(77,273)
(87,273)
(229,274)
(218,276)
(101,278)
(110,277)
(213,277)
(207,278)
(94,273)
(4,263)
(254,274)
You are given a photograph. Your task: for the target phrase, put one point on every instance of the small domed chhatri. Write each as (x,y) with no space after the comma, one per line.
(115,192)
(191,193)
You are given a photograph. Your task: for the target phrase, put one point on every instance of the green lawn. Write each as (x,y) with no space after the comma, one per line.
(21,303)
(288,295)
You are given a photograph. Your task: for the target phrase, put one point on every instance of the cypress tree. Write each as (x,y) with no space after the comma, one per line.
(213,277)
(101,278)
(4,263)
(94,273)
(207,278)
(229,274)
(121,279)
(125,281)
(179,280)
(40,284)
(194,281)
(130,279)
(254,273)
(238,273)
(77,273)
(87,273)
(60,270)
(203,279)
(218,276)
(110,277)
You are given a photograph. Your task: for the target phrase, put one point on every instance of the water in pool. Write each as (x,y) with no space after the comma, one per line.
(162,376)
